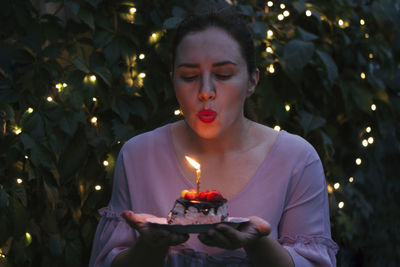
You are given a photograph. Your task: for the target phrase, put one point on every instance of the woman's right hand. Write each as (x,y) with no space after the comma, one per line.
(150,234)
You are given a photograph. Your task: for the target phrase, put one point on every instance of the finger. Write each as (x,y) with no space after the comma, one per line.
(203,237)
(263,227)
(176,239)
(234,237)
(217,237)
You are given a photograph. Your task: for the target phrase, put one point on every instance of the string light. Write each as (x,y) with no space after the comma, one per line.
(341,205)
(178,112)
(154,37)
(269,50)
(287,107)
(271,68)
(277,128)
(49,99)
(330,189)
(270,3)
(336,186)
(362,22)
(29,110)
(362,75)
(28,238)
(26,157)
(93,120)
(368,129)
(142,56)
(59,86)
(371,140)
(1,254)
(282,6)
(366,36)
(286,13)
(280,17)
(94,99)
(371,56)
(373,107)
(142,75)
(308,13)
(351,179)
(64,85)
(105,163)
(358,161)
(97,187)
(132,10)
(19,181)
(92,78)
(270,33)
(17,130)
(365,143)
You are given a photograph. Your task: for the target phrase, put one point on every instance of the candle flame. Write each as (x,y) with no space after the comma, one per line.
(192,162)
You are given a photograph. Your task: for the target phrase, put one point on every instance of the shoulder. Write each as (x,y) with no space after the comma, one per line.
(141,143)
(295,147)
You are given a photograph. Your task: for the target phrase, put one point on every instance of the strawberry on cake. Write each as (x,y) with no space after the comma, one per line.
(205,208)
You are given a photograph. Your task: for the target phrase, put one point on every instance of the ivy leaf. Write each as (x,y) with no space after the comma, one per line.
(80,64)
(362,98)
(178,11)
(246,10)
(40,156)
(104,74)
(122,131)
(3,198)
(94,3)
(259,29)
(298,53)
(102,38)
(8,110)
(28,141)
(305,35)
(73,6)
(310,122)
(74,156)
(171,23)
(112,51)
(56,244)
(87,17)
(330,66)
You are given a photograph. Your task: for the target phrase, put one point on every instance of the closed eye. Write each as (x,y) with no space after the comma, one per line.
(223,76)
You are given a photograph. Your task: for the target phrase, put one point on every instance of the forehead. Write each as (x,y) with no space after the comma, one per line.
(212,44)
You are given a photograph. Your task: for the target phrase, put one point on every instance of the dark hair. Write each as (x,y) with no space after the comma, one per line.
(223,16)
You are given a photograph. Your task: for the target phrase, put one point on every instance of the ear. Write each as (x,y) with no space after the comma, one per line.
(253,81)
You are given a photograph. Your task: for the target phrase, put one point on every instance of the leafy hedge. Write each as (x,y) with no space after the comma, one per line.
(105,65)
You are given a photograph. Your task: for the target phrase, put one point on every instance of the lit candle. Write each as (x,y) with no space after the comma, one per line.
(198,172)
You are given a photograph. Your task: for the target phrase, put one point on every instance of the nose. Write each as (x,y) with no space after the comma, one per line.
(207,88)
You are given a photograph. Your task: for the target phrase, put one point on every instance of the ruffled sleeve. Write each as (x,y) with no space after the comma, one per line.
(304,229)
(113,234)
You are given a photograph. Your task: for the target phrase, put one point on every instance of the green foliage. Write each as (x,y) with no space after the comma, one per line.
(55,49)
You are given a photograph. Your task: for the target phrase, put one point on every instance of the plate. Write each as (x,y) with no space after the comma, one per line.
(194,228)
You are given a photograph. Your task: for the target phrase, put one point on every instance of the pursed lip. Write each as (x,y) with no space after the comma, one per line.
(207,115)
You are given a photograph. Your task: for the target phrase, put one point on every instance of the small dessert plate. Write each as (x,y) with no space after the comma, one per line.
(194,228)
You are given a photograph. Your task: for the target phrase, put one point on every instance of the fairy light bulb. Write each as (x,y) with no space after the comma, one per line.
(282,6)
(341,22)
(64,85)
(92,78)
(270,33)
(142,75)
(269,50)
(19,181)
(287,107)
(93,120)
(351,179)
(105,163)
(286,13)
(132,10)
(371,140)
(94,99)
(270,3)
(362,75)
(368,129)
(366,36)
(280,17)
(336,186)
(277,128)
(142,56)
(329,188)
(308,13)
(341,205)
(365,143)
(373,107)
(271,68)
(59,86)
(97,187)
(26,157)
(28,238)
(17,130)
(29,110)
(358,161)
(371,56)
(49,99)
(362,22)
(177,112)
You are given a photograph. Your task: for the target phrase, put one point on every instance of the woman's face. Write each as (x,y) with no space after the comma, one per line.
(211,82)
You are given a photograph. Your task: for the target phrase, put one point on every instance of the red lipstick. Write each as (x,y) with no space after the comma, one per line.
(207,115)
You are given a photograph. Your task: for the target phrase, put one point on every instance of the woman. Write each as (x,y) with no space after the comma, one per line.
(273,178)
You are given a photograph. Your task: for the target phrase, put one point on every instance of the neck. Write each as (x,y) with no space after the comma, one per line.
(231,140)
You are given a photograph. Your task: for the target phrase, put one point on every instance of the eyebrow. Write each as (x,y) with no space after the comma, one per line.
(218,64)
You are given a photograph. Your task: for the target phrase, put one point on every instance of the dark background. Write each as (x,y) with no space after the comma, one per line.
(320,80)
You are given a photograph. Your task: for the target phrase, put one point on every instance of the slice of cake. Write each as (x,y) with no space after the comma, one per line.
(205,208)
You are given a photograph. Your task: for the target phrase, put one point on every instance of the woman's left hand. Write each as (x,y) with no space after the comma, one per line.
(227,237)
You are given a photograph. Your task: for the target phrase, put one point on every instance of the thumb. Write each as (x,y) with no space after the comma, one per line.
(263,227)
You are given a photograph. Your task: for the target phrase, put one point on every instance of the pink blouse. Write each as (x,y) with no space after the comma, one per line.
(288,190)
